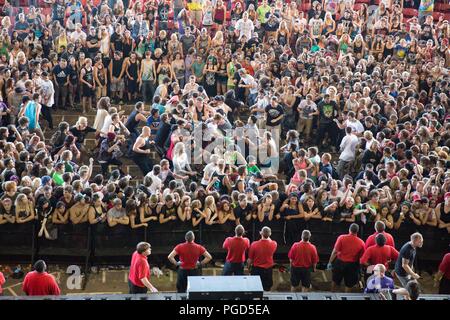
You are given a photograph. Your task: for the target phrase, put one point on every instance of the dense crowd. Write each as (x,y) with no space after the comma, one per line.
(257,110)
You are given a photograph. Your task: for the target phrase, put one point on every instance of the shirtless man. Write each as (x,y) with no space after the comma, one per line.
(79,211)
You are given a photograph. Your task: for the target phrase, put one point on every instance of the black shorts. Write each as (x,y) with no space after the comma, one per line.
(132,86)
(301,275)
(444,286)
(87,92)
(134,289)
(265,275)
(349,271)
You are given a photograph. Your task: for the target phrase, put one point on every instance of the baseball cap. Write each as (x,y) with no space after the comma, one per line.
(416,198)
(447,195)
(45,180)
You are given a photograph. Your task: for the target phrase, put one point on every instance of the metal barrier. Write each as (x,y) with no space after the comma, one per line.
(101,244)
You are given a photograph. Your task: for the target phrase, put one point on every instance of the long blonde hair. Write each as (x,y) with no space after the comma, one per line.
(210,203)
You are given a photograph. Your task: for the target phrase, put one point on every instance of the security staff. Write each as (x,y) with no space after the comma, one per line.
(189,253)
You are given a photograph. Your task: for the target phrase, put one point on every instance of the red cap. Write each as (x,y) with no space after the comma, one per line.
(416,197)
(447,195)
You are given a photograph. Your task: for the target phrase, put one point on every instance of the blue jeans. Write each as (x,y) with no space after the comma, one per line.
(251,99)
(232,268)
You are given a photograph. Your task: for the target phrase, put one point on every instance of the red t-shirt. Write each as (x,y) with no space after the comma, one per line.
(40,284)
(139,269)
(371,240)
(236,246)
(2,282)
(261,252)
(303,255)
(349,248)
(376,254)
(189,252)
(444,267)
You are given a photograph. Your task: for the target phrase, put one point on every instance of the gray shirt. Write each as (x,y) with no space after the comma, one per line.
(114,213)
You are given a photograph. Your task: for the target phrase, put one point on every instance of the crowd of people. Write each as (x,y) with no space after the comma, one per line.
(258,111)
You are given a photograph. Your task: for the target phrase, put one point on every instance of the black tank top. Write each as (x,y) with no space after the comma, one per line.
(117,67)
(445,217)
(127,48)
(97,214)
(133,70)
(88,77)
(146,146)
(132,123)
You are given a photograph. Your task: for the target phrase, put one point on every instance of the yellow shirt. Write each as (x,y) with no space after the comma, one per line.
(62,42)
(194,6)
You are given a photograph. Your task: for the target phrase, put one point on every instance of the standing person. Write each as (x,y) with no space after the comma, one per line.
(116,72)
(132,72)
(87,85)
(236,247)
(260,258)
(344,260)
(348,153)
(2,282)
(380,253)
(61,81)
(139,278)
(327,112)
(274,117)
(443,275)
(147,77)
(379,228)
(307,109)
(404,265)
(32,111)
(47,98)
(189,254)
(303,257)
(39,282)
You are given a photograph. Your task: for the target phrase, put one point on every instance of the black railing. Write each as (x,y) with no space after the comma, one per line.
(100,243)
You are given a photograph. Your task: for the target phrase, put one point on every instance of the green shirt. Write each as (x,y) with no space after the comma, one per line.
(253,169)
(68,167)
(198,69)
(261,11)
(57,178)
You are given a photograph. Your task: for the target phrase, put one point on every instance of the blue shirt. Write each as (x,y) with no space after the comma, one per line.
(153,124)
(375,284)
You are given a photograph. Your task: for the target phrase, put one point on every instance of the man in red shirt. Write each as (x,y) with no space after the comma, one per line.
(444,275)
(39,282)
(189,254)
(379,228)
(139,277)
(381,253)
(260,258)
(344,260)
(2,282)
(303,257)
(236,247)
